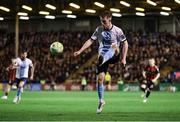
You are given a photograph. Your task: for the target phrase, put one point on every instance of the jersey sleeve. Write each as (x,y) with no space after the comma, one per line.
(30,63)
(18,61)
(95,34)
(121,36)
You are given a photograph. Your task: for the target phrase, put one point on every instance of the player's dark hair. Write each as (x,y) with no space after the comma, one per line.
(106,14)
(24,50)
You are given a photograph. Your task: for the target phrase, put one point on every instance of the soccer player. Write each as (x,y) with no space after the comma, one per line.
(150,74)
(109,37)
(23,63)
(11,74)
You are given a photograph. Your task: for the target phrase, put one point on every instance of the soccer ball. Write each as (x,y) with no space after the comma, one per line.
(56,48)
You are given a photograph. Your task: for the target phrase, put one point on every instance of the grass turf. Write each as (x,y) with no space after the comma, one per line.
(81,106)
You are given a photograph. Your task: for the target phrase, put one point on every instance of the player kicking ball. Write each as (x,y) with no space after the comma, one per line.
(109,37)
(150,74)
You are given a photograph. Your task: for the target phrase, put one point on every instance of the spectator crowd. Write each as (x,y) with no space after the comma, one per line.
(164,47)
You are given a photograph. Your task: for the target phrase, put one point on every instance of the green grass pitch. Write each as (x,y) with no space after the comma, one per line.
(81,106)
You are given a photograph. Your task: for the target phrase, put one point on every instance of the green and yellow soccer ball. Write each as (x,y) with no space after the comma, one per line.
(56,48)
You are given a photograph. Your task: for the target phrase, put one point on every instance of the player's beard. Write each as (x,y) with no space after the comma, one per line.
(108,27)
(22,58)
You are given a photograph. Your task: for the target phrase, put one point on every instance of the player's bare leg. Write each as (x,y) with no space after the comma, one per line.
(143,88)
(6,92)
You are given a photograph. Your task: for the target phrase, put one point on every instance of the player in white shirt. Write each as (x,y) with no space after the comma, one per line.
(23,64)
(109,37)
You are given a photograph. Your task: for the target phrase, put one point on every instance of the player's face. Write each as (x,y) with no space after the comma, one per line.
(106,22)
(151,62)
(24,55)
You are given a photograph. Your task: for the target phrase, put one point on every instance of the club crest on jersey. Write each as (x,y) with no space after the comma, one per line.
(106,35)
(23,65)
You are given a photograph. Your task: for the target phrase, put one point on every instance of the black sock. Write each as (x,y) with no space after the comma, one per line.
(6,93)
(147,93)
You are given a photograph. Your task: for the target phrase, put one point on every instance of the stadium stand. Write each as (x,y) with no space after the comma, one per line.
(58,68)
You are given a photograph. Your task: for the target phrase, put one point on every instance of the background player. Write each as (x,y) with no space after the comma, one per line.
(11,78)
(150,74)
(109,37)
(108,80)
(23,64)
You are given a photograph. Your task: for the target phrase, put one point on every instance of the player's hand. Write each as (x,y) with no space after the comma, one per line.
(123,62)
(116,48)
(77,53)
(154,81)
(7,69)
(31,78)
(114,45)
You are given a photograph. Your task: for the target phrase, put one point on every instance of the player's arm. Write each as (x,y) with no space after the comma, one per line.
(157,76)
(122,39)
(11,67)
(124,52)
(7,69)
(15,64)
(32,71)
(86,45)
(144,74)
(155,79)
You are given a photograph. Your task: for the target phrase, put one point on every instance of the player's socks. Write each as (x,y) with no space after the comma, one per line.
(100,107)
(6,93)
(148,93)
(100,88)
(16,99)
(19,92)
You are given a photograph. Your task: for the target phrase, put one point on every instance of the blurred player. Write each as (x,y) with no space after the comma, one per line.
(150,74)
(23,63)
(83,83)
(109,37)
(11,78)
(108,80)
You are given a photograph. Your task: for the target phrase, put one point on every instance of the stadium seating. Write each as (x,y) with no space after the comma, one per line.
(164,47)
